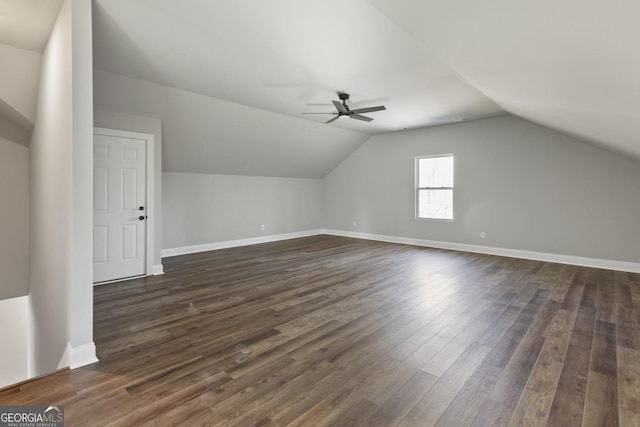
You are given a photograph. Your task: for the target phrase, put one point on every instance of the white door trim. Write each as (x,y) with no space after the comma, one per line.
(151,203)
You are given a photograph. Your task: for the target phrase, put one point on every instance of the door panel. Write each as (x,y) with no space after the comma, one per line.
(119,192)
(129,189)
(129,242)
(100,245)
(100,189)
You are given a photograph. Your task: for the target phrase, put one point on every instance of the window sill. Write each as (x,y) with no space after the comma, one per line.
(434,219)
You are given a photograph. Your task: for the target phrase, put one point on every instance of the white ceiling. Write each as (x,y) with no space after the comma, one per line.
(286,56)
(572,65)
(202,134)
(27,24)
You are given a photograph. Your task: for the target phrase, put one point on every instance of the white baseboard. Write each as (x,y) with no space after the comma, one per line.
(513,253)
(489,250)
(82,355)
(158,269)
(235,243)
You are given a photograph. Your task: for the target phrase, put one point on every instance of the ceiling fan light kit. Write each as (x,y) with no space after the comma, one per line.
(344,110)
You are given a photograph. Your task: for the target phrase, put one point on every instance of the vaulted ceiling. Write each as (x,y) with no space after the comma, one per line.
(570,65)
(286,56)
(573,66)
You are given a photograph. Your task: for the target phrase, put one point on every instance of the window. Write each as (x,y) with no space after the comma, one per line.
(434,195)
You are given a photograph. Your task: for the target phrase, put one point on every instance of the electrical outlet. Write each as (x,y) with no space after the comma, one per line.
(355,223)
(483,235)
(262,227)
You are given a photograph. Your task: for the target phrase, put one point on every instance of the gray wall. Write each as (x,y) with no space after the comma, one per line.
(527,187)
(50,162)
(14,219)
(128,122)
(14,357)
(80,293)
(61,203)
(200,209)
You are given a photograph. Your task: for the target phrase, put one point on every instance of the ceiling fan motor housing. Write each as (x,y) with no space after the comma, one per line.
(344,110)
(344,97)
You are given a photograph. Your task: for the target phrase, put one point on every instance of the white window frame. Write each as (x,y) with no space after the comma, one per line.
(418,188)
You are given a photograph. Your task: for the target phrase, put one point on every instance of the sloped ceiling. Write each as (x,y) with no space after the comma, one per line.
(25,27)
(202,134)
(27,24)
(571,66)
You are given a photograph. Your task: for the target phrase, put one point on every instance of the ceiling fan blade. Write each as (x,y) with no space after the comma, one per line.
(333,119)
(359,117)
(317,113)
(340,107)
(368,109)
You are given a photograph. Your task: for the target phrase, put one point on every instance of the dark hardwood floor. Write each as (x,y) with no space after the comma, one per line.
(335,331)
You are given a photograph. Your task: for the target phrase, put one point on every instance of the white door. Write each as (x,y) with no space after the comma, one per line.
(119,207)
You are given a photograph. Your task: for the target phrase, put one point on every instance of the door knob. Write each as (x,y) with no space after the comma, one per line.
(141,217)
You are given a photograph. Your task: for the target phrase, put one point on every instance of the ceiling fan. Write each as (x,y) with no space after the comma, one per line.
(344,110)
